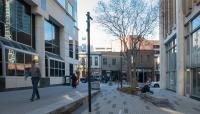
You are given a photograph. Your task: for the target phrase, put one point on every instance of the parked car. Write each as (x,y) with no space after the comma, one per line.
(155,84)
(85,79)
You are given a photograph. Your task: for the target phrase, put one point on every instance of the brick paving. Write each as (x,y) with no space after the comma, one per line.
(110,101)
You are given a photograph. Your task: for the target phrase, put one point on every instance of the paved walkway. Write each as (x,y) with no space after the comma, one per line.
(17,102)
(110,101)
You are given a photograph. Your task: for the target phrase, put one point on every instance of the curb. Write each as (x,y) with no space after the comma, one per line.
(62,107)
(69,108)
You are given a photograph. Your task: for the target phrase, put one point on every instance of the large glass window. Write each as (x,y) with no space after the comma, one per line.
(17,63)
(196,23)
(43,4)
(196,82)
(15,22)
(57,68)
(1,69)
(51,37)
(70,9)
(2,10)
(196,48)
(171,64)
(63,3)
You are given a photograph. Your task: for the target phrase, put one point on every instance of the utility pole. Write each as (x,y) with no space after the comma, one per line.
(89,81)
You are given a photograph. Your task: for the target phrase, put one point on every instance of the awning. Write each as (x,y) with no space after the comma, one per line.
(53,56)
(16,46)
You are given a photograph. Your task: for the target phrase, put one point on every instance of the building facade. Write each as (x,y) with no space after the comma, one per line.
(44,30)
(95,62)
(179,39)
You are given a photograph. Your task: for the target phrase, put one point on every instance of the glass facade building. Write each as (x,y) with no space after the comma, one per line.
(30,30)
(180,46)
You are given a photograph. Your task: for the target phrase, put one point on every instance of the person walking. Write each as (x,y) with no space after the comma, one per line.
(74,81)
(35,78)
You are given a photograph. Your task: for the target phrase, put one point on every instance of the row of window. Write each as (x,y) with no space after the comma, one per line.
(57,68)
(105,61)
(15,21)
(17,63)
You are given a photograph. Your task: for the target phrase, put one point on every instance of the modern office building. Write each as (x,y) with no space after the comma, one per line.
(44,30)
(179,42)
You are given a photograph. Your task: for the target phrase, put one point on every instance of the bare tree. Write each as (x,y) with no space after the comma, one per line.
(130,21)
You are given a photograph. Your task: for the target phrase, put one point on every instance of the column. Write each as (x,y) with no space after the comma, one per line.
(162,48)
(40,42)
(180,48)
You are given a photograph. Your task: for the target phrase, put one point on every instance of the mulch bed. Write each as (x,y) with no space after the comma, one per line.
(129,90)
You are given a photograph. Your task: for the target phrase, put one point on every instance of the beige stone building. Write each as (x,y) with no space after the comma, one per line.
(45,30)
(180,42)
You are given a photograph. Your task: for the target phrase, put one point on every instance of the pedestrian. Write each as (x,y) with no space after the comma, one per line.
(74,80)
(35,74)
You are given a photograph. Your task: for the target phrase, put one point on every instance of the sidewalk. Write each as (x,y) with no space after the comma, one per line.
(110,101)
(17,102)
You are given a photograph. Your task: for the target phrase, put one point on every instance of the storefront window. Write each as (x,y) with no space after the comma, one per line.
(196,82)
(17,63)
(171,64)
(1,68)
(57,68)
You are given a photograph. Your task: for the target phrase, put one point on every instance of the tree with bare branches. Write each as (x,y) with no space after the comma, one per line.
(130,21)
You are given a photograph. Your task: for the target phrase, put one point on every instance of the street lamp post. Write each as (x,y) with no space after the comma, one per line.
(89,83)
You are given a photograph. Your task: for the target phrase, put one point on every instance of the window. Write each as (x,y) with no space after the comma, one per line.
(17,63)
(156,52)
(43,4)
(62,3)
(71,50)
(70,9)
(1,68)
(57,68)
(71,69)
(91,61)
(104,61)
(96,61)
(51,38)
(77,52)
(68,24)
(19,26)
(114,61)
(196,23)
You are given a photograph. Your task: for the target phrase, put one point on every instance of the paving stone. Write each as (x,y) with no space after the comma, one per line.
(176,103)
(124,102)
(98,112)
(114,106)
(97,104)
(109,102)
(125,110)
(196,109)
(147,107)
(110,113)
